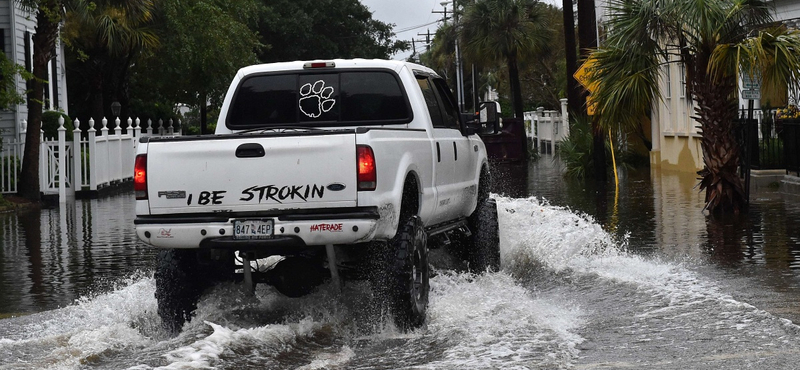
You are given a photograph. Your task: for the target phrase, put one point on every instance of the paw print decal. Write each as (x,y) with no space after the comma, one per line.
(315,99)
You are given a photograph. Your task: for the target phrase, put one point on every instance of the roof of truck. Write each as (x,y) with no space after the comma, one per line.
(395,65)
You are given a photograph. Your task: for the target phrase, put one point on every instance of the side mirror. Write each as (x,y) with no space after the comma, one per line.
(487,117)
(471,125)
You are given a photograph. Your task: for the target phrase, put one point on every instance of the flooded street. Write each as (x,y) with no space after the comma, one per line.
(592,278)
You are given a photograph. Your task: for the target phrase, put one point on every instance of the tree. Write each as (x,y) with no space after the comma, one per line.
(494,31)
(49,15)
(323,29)
(547,69)
(202,45)
(716,41)
(9,97)
(106,38)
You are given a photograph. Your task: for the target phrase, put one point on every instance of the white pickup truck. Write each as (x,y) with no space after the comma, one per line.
(342,169)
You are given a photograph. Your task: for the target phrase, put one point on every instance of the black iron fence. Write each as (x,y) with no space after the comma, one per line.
(762,140)
(791,145)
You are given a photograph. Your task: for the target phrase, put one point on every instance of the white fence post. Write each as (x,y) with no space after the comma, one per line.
(118,152)
(92,156)
(539,128)
(564,117)
(134,132)
(137,128)
(180,128)
(160,127)
(43,165)
(105,162)
(149,127)
(62,161)
(77,157)
(171,128)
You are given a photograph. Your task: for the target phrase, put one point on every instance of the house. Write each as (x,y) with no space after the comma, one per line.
(675,136)
(17,28)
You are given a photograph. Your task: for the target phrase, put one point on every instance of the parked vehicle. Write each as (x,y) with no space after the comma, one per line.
(346,169)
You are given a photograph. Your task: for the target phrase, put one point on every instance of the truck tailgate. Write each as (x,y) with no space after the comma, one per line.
(243,173)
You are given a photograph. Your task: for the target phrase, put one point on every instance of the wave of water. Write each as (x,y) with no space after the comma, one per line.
(568,295)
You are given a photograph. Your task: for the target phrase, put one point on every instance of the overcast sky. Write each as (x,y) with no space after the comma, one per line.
(412,17)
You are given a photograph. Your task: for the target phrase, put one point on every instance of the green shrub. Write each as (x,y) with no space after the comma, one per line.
(50,124)
(576,149)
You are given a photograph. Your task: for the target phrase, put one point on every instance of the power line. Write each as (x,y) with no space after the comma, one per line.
(415,27)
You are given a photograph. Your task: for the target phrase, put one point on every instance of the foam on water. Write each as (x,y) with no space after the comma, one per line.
(205,352)
(68,337)
(491,322)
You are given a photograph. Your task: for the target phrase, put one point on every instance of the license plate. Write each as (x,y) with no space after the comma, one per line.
(253,229)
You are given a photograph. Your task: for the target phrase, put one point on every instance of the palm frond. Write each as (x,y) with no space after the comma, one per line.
(771,53)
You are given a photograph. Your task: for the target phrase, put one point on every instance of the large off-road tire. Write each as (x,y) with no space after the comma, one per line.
(179,283)
(482,248)
(404,281)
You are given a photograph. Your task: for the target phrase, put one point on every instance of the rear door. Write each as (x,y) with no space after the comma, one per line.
(462,149)
(252,173)
(446,134)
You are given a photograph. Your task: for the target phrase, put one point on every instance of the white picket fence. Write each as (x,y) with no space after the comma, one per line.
(93,160)
(547,127)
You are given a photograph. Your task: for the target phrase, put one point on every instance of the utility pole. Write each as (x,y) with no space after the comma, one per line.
(459,72)
(425,42)
(444,18)
(574,90)
(427,37)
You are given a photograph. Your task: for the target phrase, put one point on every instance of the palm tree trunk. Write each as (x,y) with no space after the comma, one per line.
(516,91)
(587,37)
(716,113)
(43,45)
(598,151)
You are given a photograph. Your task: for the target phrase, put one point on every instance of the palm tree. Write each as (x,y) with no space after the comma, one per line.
(496,31)
(715,41)
(110,35)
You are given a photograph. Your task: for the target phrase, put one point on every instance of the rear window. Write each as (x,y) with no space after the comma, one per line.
(320,99)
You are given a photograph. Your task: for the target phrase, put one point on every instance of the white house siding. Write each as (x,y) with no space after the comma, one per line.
(6,116)
(22,21)
(787,10)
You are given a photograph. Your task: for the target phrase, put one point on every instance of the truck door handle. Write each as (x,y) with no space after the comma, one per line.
(438,153)
(250,150)
(455,150)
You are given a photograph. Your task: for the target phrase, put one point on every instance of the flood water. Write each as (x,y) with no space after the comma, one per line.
(592,278)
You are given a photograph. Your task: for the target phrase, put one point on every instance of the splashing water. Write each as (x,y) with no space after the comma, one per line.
(568,295)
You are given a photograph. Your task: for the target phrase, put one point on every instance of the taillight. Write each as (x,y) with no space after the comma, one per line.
(367,175)
(140,177)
